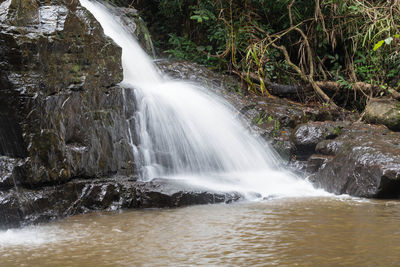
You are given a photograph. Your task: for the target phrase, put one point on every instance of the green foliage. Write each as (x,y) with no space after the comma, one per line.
(185,49)
(259,119)
(201,15)
(349,40)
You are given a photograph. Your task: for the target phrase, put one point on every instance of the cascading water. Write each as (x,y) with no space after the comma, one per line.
(182,131)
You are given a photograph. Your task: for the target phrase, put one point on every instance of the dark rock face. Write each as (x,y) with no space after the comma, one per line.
(61,109)
(351,158)
(24,206)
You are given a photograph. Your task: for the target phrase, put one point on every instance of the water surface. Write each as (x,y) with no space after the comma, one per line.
(280,232)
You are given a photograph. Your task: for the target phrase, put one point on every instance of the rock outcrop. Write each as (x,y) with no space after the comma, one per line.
(62,109)
(21,206)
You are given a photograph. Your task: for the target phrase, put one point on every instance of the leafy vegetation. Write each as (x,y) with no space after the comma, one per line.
(341,48)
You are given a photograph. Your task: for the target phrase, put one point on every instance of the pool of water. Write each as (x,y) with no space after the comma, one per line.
(280,232)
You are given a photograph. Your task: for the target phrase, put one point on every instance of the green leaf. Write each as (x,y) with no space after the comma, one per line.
(197,17)
(378,44)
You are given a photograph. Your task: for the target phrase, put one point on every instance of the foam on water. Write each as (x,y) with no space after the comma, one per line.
(183,131)
(32,236)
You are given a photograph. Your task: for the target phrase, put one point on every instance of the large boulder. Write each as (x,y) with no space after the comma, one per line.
(61,109)
(363,161)
(352,158)
(384,111)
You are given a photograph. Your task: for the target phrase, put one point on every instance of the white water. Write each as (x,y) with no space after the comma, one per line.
(33,236)
(182,131)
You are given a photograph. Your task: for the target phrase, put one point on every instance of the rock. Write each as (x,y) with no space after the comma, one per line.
(62,112)
(384,111)
(11,170)
(306,136)
(22,206)
(59,98)
(364,161)
(316,162)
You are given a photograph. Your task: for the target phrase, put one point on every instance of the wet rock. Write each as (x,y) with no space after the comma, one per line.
(384,111)
(11,170)
(316,162)
(59,98)
(364,162)
(329,147)
(306,136)
(21,206)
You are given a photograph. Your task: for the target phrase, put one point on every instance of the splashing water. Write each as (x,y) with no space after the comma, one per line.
(33,236)
(183,131)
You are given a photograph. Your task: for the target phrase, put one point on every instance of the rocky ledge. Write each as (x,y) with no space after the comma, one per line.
(21,206)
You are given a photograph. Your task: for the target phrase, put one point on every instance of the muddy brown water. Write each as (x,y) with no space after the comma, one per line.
(281,232)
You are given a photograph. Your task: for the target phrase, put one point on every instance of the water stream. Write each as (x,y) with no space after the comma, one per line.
(182,131)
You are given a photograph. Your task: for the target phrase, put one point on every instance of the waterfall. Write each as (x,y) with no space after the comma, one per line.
(183,131)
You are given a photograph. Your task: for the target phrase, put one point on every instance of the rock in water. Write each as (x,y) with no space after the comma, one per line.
(25,206)
(364,161)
